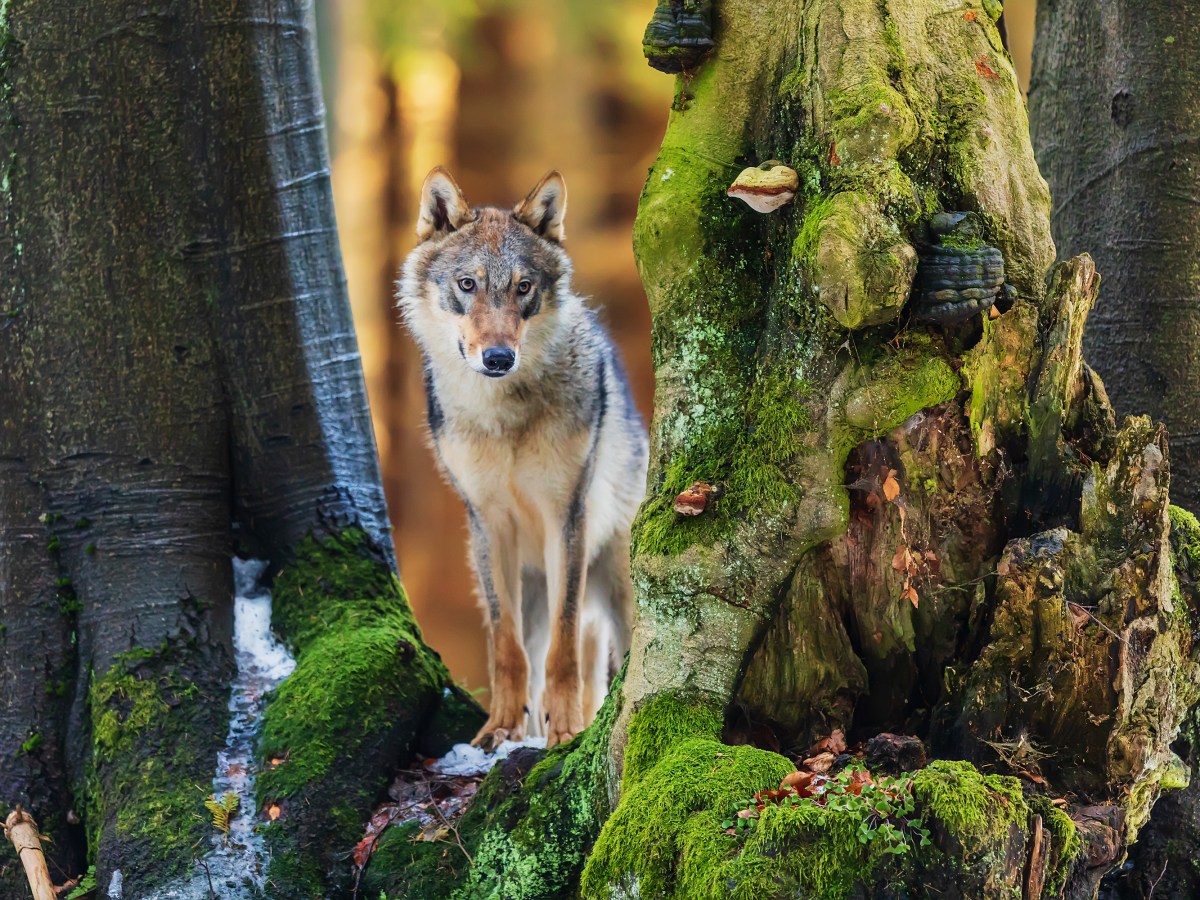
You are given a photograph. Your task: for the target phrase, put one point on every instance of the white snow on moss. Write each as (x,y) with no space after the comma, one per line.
(463,759)
(236,867)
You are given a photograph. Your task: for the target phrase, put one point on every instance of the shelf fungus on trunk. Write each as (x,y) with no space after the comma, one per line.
(958,274)
(679,35)
(767,187)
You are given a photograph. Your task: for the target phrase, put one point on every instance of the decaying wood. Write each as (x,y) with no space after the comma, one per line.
(21,829)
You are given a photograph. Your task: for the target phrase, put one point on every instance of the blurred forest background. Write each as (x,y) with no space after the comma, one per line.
(499,91)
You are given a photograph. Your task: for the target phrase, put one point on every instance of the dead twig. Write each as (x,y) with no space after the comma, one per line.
(446,822)
(21,829)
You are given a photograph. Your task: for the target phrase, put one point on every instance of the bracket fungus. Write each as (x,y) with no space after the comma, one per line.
(767,187)
(679,35)
(958,275)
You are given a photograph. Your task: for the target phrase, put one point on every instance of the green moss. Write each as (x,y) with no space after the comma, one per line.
(525,840)
(663,721)
(31,744)
(360,662)
(363,688)
(1065,844)
(666,835)
(894,387)
(156,728)
(1185,537)
(972,806)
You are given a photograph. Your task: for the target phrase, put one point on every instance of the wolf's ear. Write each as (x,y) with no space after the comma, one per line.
(443,206)
(544,208)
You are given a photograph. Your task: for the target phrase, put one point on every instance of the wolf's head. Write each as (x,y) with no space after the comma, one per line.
(485,284)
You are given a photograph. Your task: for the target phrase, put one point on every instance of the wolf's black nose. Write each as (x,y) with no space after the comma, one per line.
(498,359)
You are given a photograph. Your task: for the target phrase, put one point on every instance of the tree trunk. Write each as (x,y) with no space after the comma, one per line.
(1113,105)
(933,531)
(182,380)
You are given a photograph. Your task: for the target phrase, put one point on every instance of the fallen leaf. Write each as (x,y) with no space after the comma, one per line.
(274,811)
(747,814)
(821,763)
(800,782)
(834,743)
(891,487)
(970,15)
(910,594)
(984,70)
(858,779)
(902,559)
(834,159)
(993,313)
(363,850)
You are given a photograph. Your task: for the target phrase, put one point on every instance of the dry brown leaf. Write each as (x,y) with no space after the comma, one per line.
(910,594)
(891,487)
(834,743)
(993,313)
(984,70)
(834,159)
(274,811)
(821,763)
(902,559)
(797,781)
(970,15)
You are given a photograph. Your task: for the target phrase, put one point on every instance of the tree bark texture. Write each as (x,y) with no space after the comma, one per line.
(1115,105)
(180,380)
(921,530)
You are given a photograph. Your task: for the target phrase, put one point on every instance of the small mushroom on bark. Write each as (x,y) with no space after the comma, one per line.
(767,187)
(679,35)
(695,500)
(958,275)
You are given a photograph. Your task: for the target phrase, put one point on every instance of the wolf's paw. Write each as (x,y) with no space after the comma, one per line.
(493,734)
(564,716)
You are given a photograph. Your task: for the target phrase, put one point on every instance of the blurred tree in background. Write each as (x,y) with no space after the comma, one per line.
(500,92)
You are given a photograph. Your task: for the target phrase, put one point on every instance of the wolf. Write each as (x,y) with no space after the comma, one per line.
(533,424)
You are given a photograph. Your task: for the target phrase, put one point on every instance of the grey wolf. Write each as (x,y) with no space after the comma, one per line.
(533,424)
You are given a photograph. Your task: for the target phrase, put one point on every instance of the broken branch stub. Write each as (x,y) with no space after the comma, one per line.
(21,829)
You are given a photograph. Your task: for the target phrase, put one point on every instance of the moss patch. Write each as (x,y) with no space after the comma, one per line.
(526,841)
(1065,844)
(663,721)
(665,835)
(363,687)
(156,728)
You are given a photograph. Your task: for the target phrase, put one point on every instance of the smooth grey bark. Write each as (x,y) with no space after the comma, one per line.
(179,378)
(1114,106)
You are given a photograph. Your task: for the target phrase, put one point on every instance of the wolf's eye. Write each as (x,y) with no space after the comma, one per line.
(524,287)
(466,285)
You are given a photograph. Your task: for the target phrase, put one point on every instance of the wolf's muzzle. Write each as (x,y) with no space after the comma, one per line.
(497,361)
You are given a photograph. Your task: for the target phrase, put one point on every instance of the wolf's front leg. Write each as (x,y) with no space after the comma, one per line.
(494,553)
(566,573)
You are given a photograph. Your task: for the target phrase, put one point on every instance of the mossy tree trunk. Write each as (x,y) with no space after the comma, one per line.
(1113,108)
(939,532)
(180,380)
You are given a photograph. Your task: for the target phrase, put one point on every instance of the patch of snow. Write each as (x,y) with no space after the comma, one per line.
(237,866)
(464,759)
